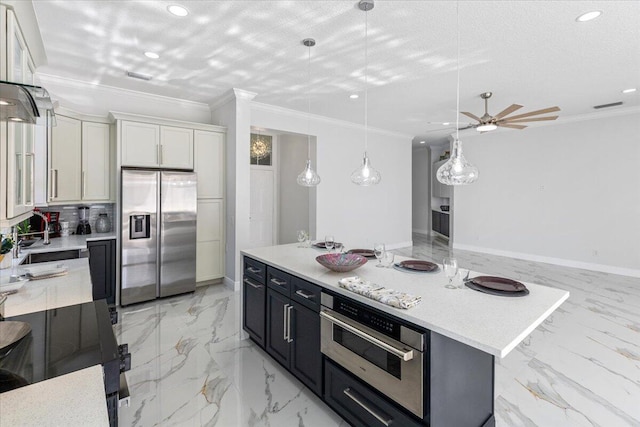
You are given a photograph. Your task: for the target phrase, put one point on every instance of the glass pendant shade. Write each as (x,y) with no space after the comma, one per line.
(457,170)
(366,175)
(308,177)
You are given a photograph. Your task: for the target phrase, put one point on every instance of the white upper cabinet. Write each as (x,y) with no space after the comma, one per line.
(140,144)
(209,164)
(155,146)
(96,165)
(65,151)
(79,161)
(176,147)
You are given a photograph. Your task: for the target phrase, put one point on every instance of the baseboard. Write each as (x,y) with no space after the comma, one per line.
(230,284)
(421,231)
(622,271)
(398,245)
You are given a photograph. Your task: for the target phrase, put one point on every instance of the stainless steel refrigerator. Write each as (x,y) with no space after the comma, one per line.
(158,257)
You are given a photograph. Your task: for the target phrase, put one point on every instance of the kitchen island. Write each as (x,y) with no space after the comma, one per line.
(462,331)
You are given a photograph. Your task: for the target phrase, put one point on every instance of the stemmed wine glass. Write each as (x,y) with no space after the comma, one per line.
(329,243)
(450,266)
(378,251)
(302,236)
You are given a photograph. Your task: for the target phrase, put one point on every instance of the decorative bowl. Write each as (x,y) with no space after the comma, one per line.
(341,262)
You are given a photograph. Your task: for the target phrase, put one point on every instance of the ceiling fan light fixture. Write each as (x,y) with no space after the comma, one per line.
(630,90)
(589,16)
(488,127)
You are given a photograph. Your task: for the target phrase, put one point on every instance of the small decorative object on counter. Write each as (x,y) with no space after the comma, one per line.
(103,224)
(5,247)
(341,262)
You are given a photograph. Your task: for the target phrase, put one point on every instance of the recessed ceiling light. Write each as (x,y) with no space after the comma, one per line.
(151,55)
(178,10)
(446,124)
(354,96)
(630,90)
(422,142)
(589,16)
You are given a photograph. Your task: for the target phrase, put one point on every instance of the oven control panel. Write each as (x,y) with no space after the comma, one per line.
(367,317)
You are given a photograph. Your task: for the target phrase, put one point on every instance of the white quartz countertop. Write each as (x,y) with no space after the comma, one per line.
(76,241)
(75,399)
(37,295)
(493,324)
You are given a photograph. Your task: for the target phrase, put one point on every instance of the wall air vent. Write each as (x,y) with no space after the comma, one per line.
(138,76)
(613,104)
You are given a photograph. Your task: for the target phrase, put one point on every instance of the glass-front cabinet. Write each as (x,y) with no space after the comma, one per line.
(20,136)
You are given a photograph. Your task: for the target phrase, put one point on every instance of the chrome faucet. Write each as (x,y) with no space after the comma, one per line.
(46,227)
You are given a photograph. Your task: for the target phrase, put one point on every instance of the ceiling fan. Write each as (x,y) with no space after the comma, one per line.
(488,123)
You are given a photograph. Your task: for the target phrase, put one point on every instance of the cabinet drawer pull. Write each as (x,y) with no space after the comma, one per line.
(289,338)
(353,395)
(278,282)
(305,295)
(285,329)
(253,270)
(253,285)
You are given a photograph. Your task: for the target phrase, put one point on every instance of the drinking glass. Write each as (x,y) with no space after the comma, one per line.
(450,266)
(387,259)
(378,251)
(461,277)
(302,237)
(329,243)
(339,247)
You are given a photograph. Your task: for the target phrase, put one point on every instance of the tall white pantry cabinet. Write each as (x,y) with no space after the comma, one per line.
(151,142)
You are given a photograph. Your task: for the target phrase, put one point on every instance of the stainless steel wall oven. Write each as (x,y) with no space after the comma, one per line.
(383,352)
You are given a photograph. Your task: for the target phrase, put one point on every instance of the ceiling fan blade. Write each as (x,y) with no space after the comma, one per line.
(507,111)
(535,113)
(532,119)
(474,117)
(506,125)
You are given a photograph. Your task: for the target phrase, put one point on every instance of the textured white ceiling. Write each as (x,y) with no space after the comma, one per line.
(529,52)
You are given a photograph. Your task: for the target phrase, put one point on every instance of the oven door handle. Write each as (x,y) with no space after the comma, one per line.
(404,355)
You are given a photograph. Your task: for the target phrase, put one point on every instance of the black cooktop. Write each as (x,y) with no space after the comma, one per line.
(61,341)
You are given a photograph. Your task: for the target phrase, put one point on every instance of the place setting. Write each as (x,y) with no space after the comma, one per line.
(492,285)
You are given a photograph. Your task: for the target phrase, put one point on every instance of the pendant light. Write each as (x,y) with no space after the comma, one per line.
(457,170)
(365,175)
(308,177)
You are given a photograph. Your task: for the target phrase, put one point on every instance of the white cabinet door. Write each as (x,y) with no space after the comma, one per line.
(210,242)
(176,147)
(209,164)
(96,165)
(140,144)
(65,150)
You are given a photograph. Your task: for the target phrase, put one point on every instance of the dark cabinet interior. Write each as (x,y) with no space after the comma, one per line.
(102,268)
(440,223)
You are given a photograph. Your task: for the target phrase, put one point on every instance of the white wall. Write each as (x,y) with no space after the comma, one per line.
(293,198)
(421,194)
(357,216)
(96,99)
(568,193)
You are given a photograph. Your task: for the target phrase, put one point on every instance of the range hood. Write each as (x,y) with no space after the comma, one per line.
(22,103)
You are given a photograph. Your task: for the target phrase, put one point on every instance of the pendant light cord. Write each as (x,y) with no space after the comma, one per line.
(366,81)
(309,105)
(458,67)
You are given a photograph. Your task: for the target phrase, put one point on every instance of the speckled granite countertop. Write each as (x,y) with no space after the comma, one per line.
(489,323)
(75,399)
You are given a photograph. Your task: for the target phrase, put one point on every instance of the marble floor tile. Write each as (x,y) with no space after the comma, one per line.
(581,367)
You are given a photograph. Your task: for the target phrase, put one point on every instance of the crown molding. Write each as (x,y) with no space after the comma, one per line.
(324,119)
(81,84)
(118,115)
(230,95)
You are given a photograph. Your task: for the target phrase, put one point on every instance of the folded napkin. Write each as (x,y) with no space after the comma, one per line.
(45,271)
(379,293)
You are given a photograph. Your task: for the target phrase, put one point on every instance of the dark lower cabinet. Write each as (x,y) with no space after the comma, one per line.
(440,222)
(253,318)
(102,268)
(358,403)
(293,338)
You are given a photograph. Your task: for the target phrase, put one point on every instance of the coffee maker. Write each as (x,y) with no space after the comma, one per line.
(83,220)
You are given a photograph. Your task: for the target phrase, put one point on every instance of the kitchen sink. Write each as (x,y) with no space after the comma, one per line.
(55,256)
